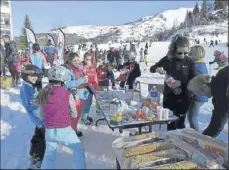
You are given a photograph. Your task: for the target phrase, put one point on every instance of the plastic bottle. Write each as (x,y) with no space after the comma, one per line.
(154,95)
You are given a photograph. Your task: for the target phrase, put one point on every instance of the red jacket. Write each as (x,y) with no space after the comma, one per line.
(90,71)
(102,73)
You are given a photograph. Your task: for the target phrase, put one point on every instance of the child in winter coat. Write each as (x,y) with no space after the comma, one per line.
(104,73)
(89,71)
(74,84)
(197,55)
(28,93)
(57,108)
(130,70)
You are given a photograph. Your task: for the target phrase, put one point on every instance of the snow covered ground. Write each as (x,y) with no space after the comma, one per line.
(16,128)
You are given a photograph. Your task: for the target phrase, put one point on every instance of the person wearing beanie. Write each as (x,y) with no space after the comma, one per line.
(217,88)
(177,65)
(197,55)
(36,57)
(50,52)
(28,93)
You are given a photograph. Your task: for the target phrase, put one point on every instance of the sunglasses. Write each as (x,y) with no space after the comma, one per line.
(185,53)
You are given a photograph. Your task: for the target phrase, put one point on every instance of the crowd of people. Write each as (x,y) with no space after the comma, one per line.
(67,98)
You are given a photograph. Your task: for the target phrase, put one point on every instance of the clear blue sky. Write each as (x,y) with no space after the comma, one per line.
(45,15)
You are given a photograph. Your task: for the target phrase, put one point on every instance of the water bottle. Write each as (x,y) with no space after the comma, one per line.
(154,95)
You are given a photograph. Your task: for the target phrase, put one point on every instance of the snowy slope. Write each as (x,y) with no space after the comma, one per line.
(16,128)
(210,32)
(148,25)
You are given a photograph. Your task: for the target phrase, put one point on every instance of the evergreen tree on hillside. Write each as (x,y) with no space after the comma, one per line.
(204,8)
(221,4)
(186,21)
(23,38)
(196,15)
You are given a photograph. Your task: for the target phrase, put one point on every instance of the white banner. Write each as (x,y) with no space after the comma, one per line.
(61,37)
(30,36)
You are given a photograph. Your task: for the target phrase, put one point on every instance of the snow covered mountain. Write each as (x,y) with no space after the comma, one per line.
(143,27)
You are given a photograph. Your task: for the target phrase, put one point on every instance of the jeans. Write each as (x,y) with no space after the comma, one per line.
(86,106)
(65,136)
(192,114)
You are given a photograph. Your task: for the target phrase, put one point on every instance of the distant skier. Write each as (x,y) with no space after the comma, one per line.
(220,59)
(141,52)
(146,56)
(146,46)
(216,42)
(211,43)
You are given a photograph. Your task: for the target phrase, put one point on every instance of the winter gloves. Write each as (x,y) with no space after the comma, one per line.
(200,85)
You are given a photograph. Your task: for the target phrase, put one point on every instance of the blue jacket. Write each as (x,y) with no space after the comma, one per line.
(28,95)
(50,49)
(37,60)
(201,69)
(73,83)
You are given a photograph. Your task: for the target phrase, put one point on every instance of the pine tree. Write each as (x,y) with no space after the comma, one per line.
(203,11)
(196,15)
(217,4)
(190,19)
(23,39)
(186,21)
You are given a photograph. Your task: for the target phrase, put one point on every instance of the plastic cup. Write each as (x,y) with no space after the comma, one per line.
(165,114)
(160,112)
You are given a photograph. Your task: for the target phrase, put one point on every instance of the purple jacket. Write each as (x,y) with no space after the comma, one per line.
(56,113)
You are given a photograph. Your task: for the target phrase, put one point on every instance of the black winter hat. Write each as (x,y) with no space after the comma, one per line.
(36,47)
(31,70)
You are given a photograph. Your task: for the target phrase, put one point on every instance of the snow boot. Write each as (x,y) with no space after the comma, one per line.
(87,121)
(35,163)
(79,133)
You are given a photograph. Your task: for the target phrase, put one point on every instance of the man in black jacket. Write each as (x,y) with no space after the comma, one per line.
(2,58)
(217,88)
(12,58)
(179,67)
